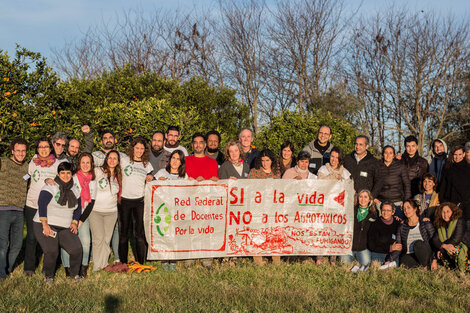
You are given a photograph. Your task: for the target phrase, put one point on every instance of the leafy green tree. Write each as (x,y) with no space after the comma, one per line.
(28,97)
(301,128)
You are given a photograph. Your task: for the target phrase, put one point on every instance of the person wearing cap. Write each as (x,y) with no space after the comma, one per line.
(437,158)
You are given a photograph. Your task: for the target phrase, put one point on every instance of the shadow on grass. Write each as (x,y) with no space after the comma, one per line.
(111,304)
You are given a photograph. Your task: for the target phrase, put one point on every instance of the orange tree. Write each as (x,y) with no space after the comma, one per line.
(28,97)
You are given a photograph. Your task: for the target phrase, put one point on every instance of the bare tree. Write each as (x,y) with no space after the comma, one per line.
(408,69)
(242,36)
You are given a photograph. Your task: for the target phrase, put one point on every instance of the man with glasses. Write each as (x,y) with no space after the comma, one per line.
(319,149)
(13,186)
(172,140)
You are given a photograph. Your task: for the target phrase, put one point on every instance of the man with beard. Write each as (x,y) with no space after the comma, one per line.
(108,143)
(437,158)
(73,149)
(198,165)
(159,157)
(172,141)
(13,183)
(212,149)
(417,166)
(251,153)
(319,149)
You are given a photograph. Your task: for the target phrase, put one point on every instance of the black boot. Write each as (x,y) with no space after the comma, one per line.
(67,271)
(83,271)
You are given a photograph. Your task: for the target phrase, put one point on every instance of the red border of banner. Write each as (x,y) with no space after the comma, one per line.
(155,187)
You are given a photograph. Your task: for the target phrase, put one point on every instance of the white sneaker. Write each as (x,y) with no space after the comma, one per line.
(392,264)
(355,269)
(364,268)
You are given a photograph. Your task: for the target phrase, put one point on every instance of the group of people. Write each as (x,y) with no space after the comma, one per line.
(82,204)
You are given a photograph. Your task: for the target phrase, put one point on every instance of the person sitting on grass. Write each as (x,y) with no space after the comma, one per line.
(364,215)
(448,239)
(56,222)
(412,246)
(382,233)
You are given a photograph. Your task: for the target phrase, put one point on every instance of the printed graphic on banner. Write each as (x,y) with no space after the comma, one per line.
(248,217)
(187,219)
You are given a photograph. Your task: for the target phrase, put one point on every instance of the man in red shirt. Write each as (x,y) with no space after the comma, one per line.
(198,165)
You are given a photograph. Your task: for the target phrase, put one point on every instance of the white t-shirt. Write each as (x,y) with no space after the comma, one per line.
(180,147)
(164,173)
(133,178)
(92,187)
(38,175)
(413,235)
(58,215)
(106,197)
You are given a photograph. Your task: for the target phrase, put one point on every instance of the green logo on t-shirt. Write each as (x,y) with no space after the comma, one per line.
(36,176)
(103,183)
(128,170)
(57,196)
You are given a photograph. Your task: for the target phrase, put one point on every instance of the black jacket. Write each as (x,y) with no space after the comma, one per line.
(361,230)
(396,184)
(455,239)
(417,167)
(366,173)
(250,157)
(455,187)
(381,236)
(425,228)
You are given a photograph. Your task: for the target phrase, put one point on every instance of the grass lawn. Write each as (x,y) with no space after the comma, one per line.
(290,287)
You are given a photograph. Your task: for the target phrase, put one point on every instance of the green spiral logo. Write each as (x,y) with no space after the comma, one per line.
(162,220)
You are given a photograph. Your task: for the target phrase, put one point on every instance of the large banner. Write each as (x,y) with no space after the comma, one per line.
(189,219)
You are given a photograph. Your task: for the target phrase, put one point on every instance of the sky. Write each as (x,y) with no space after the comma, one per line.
(42,25)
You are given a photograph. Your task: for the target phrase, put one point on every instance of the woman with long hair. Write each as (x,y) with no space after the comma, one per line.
(84,180)
(396,186)
(175,169)
(413,240)
(364,215)
(135,168)
(448,239)
(43,165)
(266,166)
(103,216)
(287,159)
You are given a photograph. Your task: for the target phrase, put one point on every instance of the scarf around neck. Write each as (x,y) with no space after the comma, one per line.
(47,162)
(362,213)
(66,193)
(446,234)
(84,181)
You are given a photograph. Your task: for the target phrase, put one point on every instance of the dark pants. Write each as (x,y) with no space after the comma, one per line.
(30,251)
(421,256)
(132,209)
(11,239)
(64,239)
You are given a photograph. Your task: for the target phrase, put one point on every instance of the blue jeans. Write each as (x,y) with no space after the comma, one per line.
(11,231)
(115,243)
(85,239)
(376,256)
(363,257)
